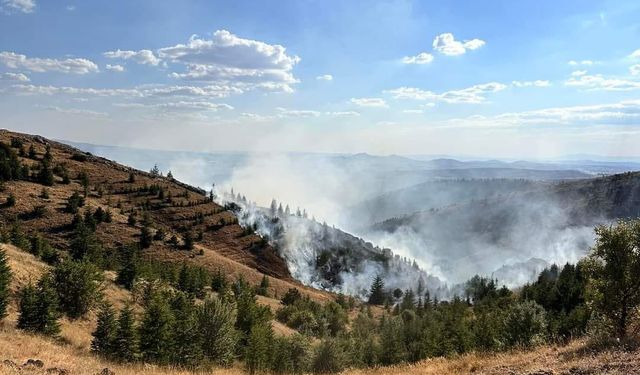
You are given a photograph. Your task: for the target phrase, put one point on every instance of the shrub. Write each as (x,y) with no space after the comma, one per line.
(525,324)
(328,358)
(38,308)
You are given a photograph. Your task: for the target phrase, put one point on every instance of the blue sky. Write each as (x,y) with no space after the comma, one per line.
(496,79)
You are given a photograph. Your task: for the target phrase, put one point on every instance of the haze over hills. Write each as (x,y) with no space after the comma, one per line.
(475,215)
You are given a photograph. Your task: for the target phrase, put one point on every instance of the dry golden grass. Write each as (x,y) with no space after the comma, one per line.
(573,358)
(18,347)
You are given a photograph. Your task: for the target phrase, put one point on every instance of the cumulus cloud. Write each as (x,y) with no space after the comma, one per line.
(369,102)
(228,58)
(420,59)
(143,56)
(446,44)
(471,95)
(34,64)
(635,70)
(13,77)
(600,82)
(115,68)
(635,54)
(325,77)
(22,6)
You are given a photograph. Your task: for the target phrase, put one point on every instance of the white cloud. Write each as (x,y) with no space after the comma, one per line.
(230,59)
(578,73)
(24,6)
(369,102)
(599,82)
(421,58)
(413,111)
(446,44)
(212,91)
(325,77)
(343,113)
(75,111)
(536,83)
(635,54)
(635,70)
(71,8)
(283,112)
(187,106)
(144,56)
(34,64)
(471,95)
(115,68)
(13,77)
(583,62)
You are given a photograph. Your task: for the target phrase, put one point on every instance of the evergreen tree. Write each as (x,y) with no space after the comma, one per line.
(126,340)
(74,202)
(77,285)
(146,238)
(392,349)
(5,279)
(104,336)
(188,241)
(156,331)
(258,350)
(128,271)
(216,325)
(263,288)
(84,243)
(38,308)
(186,339)
(377,294)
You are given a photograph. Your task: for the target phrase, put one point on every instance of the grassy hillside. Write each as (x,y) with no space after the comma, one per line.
(179,210)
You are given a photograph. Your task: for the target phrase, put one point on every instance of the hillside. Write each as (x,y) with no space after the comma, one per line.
(173,207)
(553,222)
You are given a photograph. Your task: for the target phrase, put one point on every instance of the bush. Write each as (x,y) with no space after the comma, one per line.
(525,324)
(74,202)
(11,201)
(156,331)
(328,358)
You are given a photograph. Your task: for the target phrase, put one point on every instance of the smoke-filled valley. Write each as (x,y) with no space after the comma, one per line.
(436,222)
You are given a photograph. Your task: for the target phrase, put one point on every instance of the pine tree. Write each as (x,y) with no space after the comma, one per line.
(258,349)
(28,318)
(104,336)
(156,331)
(5,279)
(126,341)
(377,294)
(38,308)
(216,325)
(128,271)
(263,288)
(77,286)
(186,339)
(146,238)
